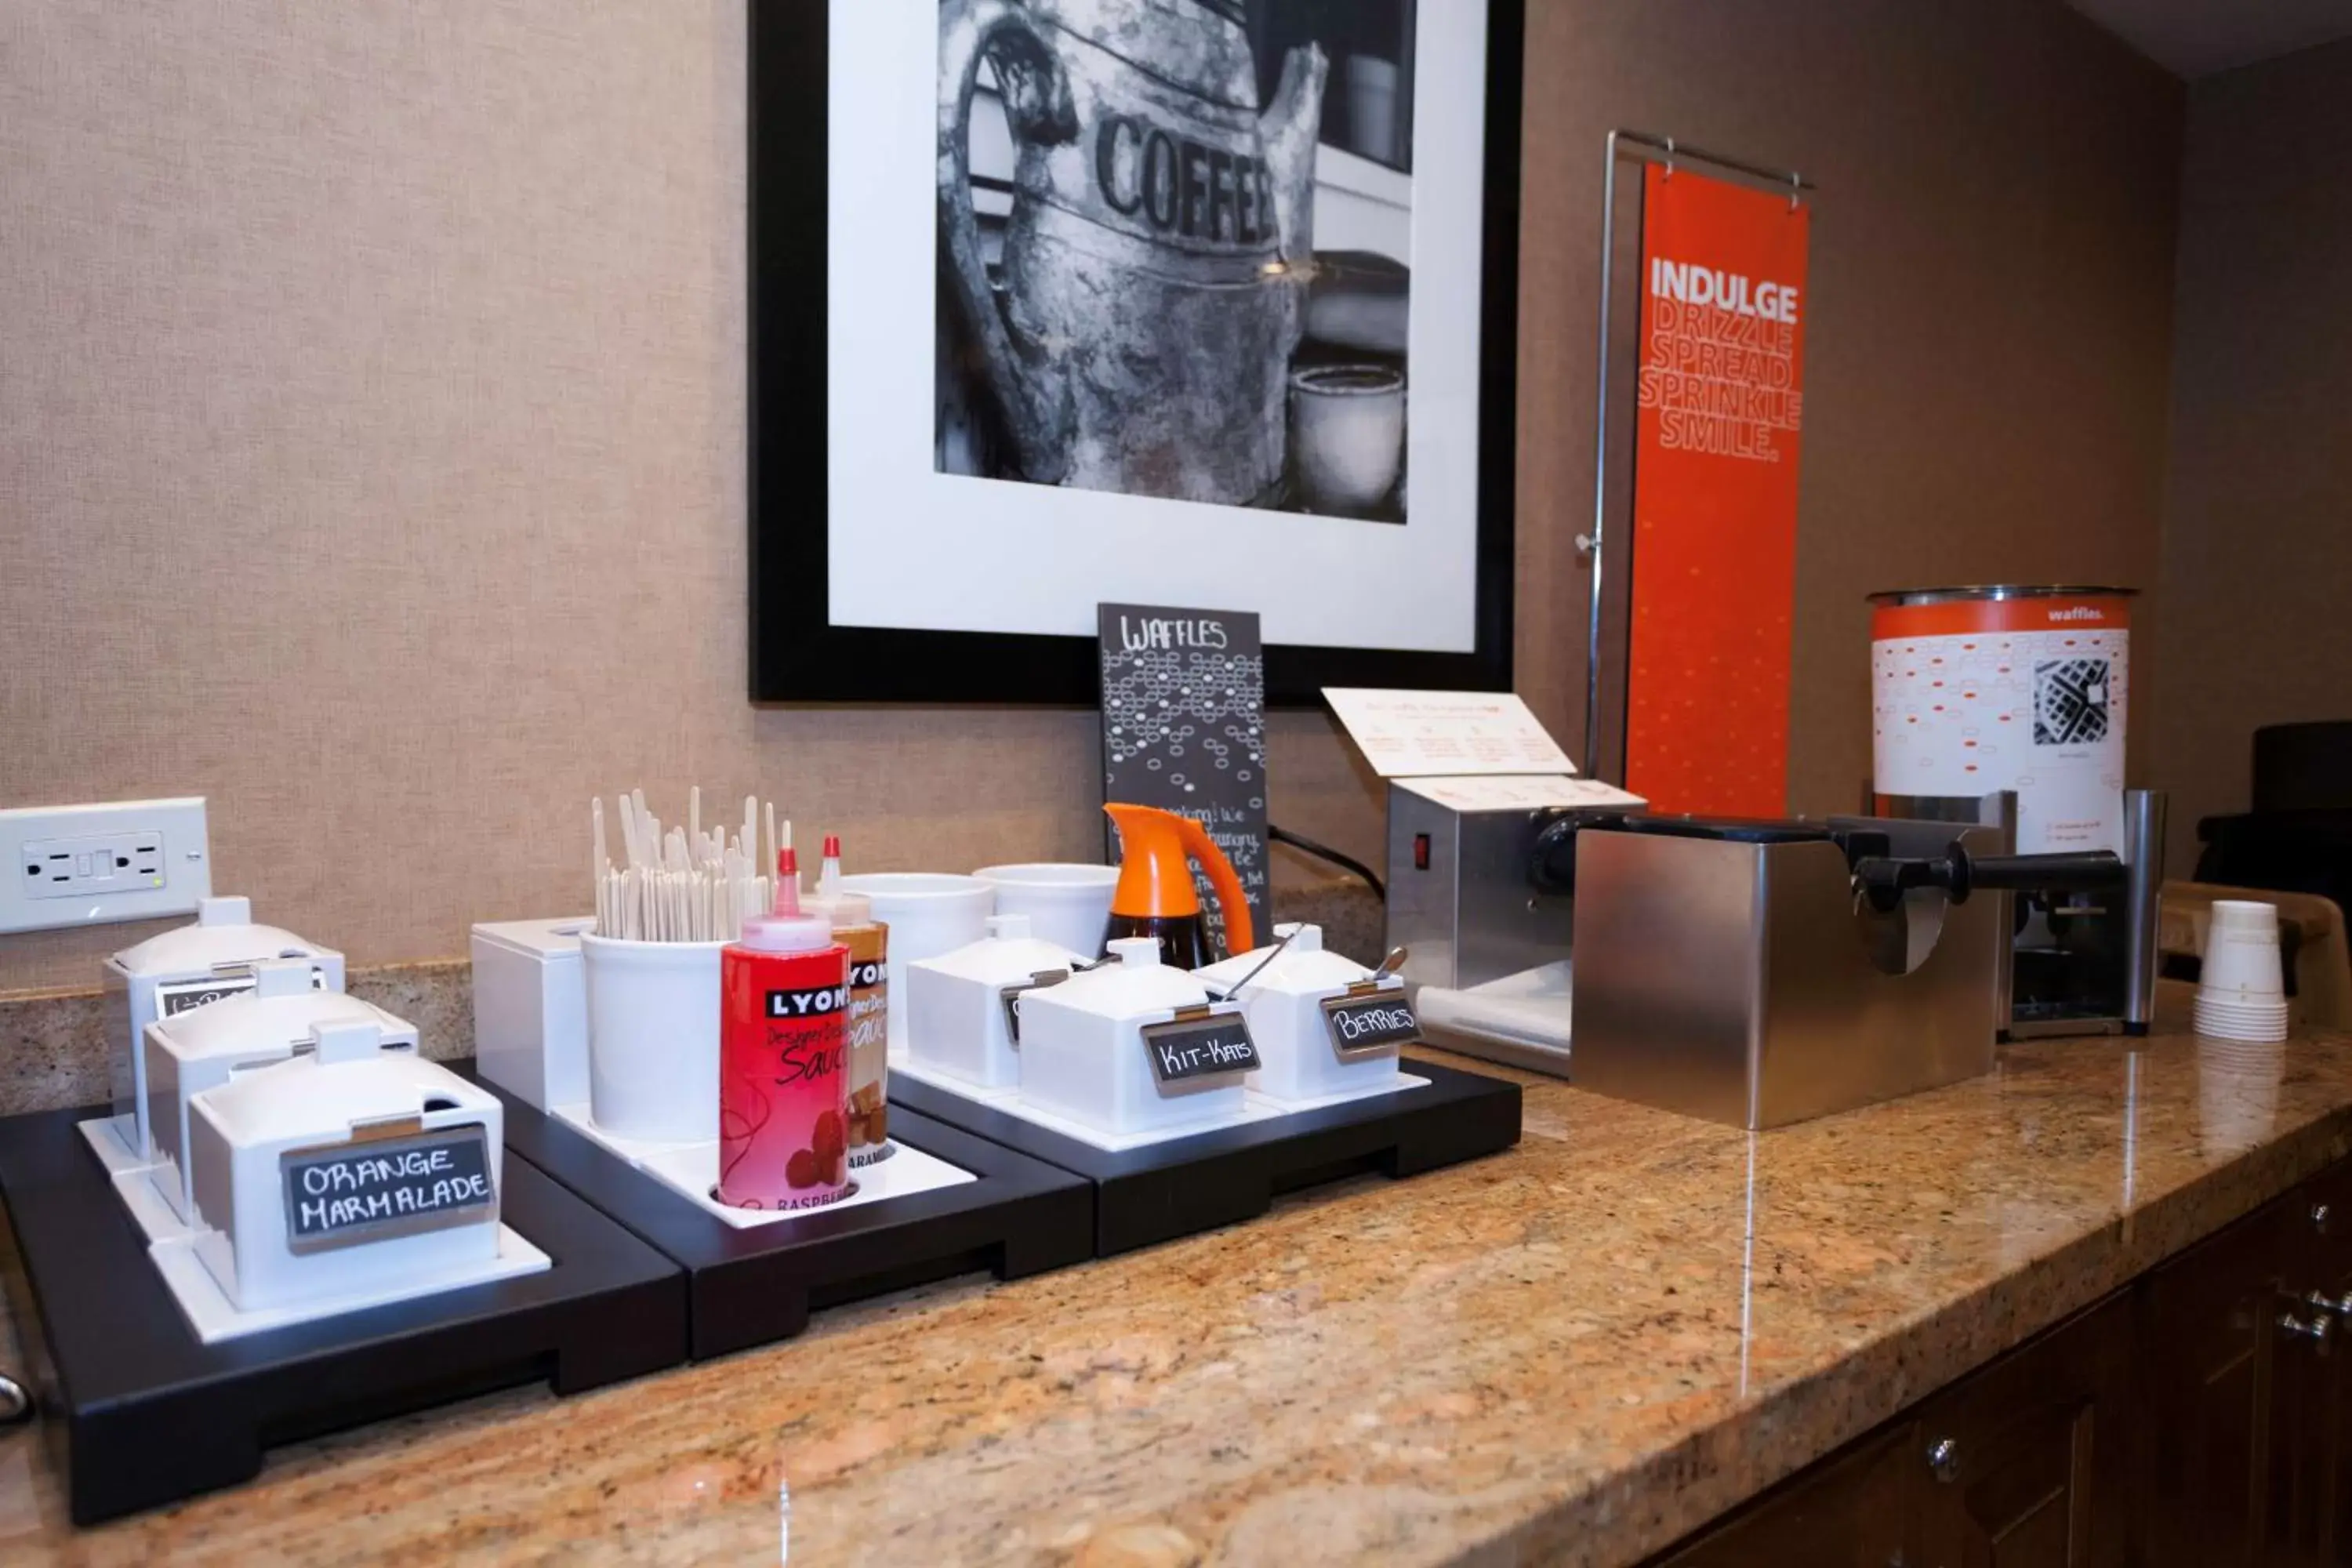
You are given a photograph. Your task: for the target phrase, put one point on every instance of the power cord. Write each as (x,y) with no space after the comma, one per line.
(1325,852)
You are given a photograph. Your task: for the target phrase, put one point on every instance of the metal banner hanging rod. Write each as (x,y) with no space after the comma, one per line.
(1669,151)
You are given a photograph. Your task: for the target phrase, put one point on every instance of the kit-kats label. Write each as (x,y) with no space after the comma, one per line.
(1370,1021)
(1201,1045)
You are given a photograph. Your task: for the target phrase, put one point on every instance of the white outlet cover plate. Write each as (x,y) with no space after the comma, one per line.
(66,864)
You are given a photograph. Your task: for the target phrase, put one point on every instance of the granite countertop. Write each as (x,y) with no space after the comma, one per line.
(1575,1352)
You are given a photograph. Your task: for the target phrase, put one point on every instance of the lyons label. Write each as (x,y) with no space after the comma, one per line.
(813,1003)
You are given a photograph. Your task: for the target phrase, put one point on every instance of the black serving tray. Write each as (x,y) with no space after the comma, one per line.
(139,1412)
(752,1285)
(1193,1184)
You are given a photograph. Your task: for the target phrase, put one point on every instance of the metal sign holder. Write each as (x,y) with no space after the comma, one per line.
(1647,148)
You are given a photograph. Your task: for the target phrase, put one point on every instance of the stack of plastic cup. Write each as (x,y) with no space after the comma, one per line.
(2243,993)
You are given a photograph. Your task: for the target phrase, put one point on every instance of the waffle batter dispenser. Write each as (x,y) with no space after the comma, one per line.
(1760,974)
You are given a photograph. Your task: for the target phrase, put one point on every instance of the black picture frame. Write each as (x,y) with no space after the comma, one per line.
(798,655)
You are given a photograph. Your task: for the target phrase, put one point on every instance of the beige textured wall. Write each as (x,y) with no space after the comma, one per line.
(1986,351)
(2258,523)
(373,388)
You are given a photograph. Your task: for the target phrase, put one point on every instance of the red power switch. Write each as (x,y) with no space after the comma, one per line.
(1421,851)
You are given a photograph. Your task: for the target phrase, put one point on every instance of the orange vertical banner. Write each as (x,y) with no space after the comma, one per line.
(1714,495)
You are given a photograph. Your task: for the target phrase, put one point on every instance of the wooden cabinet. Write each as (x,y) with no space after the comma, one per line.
(1848,1512)
(2200,1419)
(2210,1374)
(2028,1464)
(2248,1391)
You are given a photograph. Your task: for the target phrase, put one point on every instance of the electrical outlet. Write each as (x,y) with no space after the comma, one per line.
(93,865)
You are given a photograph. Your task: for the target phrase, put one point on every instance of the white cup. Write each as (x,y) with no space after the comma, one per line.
(2241,953)
(929,913)
(652,1038)
(2256,1022)
(1066,902)
(1347,434)
(2237,1094)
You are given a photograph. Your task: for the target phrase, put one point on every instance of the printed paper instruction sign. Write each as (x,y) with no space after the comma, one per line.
(1408,734)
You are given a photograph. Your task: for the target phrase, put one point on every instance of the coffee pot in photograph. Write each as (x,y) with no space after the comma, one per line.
(1155,263)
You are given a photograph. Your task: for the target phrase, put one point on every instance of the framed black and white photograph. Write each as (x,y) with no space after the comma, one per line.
(1057,302)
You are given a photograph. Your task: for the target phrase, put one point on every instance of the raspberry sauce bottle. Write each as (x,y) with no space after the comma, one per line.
(784,1058)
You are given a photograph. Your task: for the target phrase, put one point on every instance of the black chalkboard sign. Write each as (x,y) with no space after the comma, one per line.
(1370,1021)
(1199,1046)
(373,1189)
(1184,712)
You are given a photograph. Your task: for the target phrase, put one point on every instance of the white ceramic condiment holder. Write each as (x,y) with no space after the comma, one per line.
(203,1048)
(180,969)
(1284,1001)
(929,913)
(652,1038)
(347,1091)
(530,1009)
(1084,1058)
(956,1020)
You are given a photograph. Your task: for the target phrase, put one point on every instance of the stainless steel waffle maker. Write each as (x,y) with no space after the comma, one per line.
(2083,941)
(1765,973)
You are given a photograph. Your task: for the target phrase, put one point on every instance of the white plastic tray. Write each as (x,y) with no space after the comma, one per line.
(1255,1107)
(214,1317)
(693,1170)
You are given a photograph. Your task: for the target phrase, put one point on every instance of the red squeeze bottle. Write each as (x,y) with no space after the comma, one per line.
(784,1058)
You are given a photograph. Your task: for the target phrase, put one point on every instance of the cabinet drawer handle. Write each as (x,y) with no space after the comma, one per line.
(2339,1305)
(2318,1331)
(1943,1460)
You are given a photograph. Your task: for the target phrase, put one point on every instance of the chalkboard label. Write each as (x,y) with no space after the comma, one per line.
(1183,714)
(374,1189)
(185,995)
(1370,1021)
(1010,996)
(1200,1046)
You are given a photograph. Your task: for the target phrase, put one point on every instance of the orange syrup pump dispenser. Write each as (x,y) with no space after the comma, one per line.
(1155,896)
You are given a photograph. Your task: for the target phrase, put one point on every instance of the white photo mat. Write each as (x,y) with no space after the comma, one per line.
(911,548)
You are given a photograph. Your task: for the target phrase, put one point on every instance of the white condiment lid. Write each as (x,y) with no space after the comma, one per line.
(224,934)
(281,1010)
(1006,955)
(349,1079)
(1140,984)
(1305,967)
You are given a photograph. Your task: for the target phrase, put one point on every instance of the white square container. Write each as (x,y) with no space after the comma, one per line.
(347,1089)
(204,1047)
(1083,1054)
(530,1009)
(1285,1004)
(955,1002)
(185,968)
